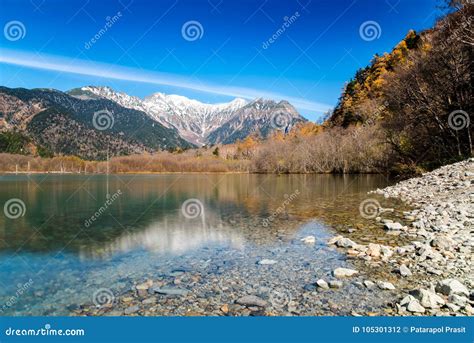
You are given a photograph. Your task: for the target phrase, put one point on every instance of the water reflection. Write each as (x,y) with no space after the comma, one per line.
(143,233)
(147,214)
(173,234)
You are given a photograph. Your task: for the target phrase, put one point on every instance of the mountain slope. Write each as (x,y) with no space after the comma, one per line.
(84,127)
(202,123)
(259,117)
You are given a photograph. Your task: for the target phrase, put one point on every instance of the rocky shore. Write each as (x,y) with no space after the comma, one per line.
(438,263)
(430,275)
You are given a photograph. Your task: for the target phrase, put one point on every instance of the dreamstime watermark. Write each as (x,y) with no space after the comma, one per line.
(287,22)
(281,120)
(110,21)
(14,208)
(370,30)
(14,30)
(192,208)
(103,297)
(21,289)
(458,120)
(103,120)
(371,120)
(288,199)
(192,30)
(46,331)
(371,208)
(103,208)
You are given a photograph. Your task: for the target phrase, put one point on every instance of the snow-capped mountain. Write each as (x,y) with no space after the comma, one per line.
(193,119)
(201,123)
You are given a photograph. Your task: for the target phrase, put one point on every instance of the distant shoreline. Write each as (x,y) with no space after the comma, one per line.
(2,173)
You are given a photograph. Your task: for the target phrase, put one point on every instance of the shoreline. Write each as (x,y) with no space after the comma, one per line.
(428,276)
(184,172)
(434,271)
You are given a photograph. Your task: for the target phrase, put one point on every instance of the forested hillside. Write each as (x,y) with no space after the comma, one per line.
(420,95)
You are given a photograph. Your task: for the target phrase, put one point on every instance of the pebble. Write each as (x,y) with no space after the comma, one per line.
(251,300)
(131,309)
(393,226)
(404,271)
(309,240)
(344,272)
(385,285)
(412,305)
(267,262)
(170,291)
(335,284)
(322,284)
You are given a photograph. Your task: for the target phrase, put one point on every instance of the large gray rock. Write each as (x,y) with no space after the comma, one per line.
(428,299)
(412,305)
(451,286)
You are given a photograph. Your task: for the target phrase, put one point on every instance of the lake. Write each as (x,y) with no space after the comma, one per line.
(214,236)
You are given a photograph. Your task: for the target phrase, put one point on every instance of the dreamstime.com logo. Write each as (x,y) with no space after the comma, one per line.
(21,289)
(46,331)
(192,208)
(103,208)
(103,297)
(281,120)
(14,30)
(459,120)
(14,208)
(192,30)
(103,120)
(370,30)
(371,208)
(109,22)
(287,22)
(288,199)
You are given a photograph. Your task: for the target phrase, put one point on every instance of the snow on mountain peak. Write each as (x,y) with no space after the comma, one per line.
(201,123)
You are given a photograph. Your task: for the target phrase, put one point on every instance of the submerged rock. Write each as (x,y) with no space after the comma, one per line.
(344,272)
(267,262)
(170,291)
(131,309)
(251,300)
(309,240)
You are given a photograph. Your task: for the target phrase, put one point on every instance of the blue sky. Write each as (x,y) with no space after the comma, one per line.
(146,48)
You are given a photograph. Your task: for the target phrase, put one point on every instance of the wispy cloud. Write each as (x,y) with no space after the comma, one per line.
(110,71)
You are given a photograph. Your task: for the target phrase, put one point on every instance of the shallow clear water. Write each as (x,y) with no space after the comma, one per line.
(54,257)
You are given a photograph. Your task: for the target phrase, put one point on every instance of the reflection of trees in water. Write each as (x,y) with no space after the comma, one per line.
(148,210)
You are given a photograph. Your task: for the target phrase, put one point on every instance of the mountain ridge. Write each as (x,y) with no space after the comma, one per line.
(202,123)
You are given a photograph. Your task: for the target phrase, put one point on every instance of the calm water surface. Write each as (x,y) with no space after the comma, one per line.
(63,256)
